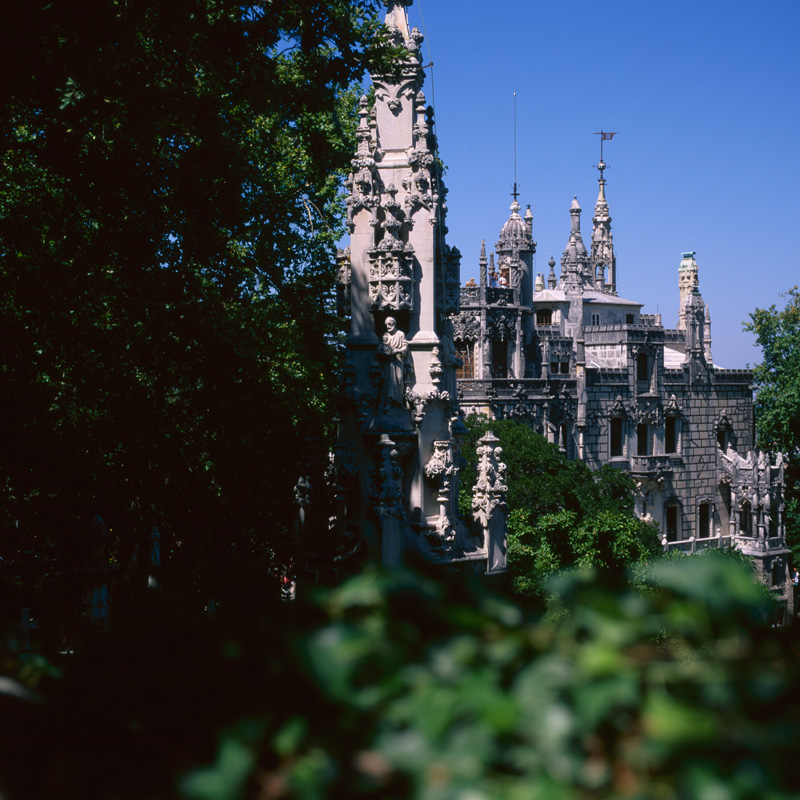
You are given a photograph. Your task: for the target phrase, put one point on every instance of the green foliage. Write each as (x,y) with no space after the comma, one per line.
(395,686)
(562,514)
(170,203)
(777,405)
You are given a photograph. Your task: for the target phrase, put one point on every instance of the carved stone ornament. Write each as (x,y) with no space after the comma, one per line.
(723,423)
(672,409)
(391,281)
(466,326)
(302,491)
(386,497)
(344,459)
(502,326)
(647,411)
(448,282)
(440,467)
(443,534)
(419,401)
(343,281)
(489,493)
(618,408)
(523,412)
(363,182)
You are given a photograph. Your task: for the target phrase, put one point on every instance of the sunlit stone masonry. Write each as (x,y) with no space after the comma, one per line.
(397,456)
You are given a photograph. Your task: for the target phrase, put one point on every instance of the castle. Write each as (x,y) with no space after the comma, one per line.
(609,384)
(564,354)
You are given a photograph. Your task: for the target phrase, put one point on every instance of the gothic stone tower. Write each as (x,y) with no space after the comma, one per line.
(397,453)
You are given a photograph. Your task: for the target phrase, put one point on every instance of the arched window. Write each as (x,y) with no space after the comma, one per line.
(745,519)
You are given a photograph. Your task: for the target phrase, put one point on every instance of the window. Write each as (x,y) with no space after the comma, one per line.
(642,371)
(722,439)
(565,367)
(544,316)
(595,319)
(617,450)
(466,352)
(629,319)
(554,367)
(672,520)
(671,435)
(643,440)
(704,518)
(746,520)
(499,359)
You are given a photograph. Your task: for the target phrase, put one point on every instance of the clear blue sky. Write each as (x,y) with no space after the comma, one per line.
(705,96)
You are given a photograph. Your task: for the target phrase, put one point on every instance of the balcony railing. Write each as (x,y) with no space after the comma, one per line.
(650,465)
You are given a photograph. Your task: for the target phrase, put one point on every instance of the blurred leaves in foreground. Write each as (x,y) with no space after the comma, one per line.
(399,686)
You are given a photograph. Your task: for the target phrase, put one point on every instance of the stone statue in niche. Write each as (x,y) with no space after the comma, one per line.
(393,352)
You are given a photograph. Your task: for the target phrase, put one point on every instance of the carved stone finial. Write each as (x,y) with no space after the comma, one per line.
(490,490)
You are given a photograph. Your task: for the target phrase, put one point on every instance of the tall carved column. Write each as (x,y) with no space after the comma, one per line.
(489,501)
(398,406)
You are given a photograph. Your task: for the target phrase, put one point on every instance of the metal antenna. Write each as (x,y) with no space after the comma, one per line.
(604,135)
(515,193)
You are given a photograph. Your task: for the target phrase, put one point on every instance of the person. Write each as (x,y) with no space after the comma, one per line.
(471,283)
(393,349)
(795,577)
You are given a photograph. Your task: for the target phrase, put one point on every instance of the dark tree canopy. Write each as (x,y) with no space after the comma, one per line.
(169,209)
(777,381)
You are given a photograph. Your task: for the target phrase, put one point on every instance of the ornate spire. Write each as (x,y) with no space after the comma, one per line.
(551,278)
(575,269)
(482,264)
(602,239)
(603,257)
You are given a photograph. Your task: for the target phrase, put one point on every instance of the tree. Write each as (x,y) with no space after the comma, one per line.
(562,514)
(777,405)
(169,208)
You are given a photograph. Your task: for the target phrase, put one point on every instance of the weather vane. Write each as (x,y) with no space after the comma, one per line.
(604,136)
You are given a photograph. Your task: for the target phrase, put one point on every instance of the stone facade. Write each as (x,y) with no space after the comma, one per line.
(609,384)
(396,461)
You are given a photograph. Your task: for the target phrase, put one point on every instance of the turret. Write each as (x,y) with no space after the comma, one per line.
(575,268)
(515,249)
(688,282)
(575,274)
